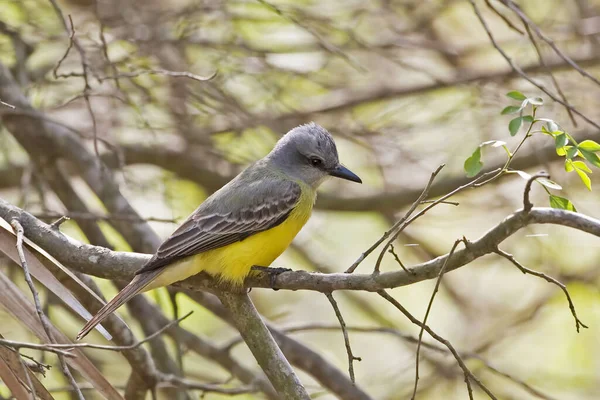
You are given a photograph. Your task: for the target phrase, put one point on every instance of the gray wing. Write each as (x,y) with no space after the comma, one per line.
(232,214)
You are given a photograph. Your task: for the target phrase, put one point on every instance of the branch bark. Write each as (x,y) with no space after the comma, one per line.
(261,343)
(299,355)
(104,263)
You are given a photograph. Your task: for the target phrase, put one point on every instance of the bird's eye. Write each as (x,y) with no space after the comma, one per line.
(316,162)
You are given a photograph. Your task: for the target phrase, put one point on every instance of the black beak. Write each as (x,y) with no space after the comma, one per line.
(342,172)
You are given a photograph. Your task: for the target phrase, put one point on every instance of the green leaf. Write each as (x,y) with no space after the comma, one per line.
(589,145)
(561,140)
(561,203)
(569,165)
(536,101)
(562,151)
(473,164)
(514,125)
(582,166)
(528,118)
(549,184)
(591,157)
(514,94)
(571,152)
(511,110)
(584,178)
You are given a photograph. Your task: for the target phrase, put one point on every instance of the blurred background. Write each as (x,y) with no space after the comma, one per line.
(403,86)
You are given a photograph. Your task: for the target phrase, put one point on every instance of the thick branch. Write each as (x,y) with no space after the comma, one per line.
(258,338)
(105,263)
(298,354)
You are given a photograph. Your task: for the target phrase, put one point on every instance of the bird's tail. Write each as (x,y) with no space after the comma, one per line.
(134,287)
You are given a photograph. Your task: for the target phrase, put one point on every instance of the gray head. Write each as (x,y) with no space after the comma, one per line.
(308,153)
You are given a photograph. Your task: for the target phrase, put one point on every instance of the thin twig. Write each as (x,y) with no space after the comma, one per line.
(527,205)
(435,290)
(43,319)
(397,224)
(517,10)
(85,66)
(403,223)
(547,278)
(97,217)
(431,346)
(7,105)
(450,203)
(69,47)
(158,71)
(466,371)
(549,72)
(351,356)
(520,71)
(56,224)
(35,365)
(28,378)
(325,45)
(507,21)
(178,382)
(63,348)
(393,253)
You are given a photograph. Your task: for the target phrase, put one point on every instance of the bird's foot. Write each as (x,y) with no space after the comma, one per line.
(273,273)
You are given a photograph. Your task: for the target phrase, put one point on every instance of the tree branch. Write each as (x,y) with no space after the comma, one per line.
(104,263)
(261,343)
(298,354)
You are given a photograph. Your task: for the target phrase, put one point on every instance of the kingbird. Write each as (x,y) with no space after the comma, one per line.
(248,222)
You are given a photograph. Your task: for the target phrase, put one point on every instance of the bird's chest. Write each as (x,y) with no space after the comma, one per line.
(233,262)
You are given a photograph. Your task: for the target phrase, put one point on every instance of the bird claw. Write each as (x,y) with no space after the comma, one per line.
(273,272)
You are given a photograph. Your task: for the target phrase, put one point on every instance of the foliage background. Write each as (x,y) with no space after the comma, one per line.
(404,86)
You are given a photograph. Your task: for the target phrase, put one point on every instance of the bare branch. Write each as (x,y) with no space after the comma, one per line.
(526,270)
(174,74)
(104,263)
(431,346)
(396,226)
(435,290)
(175,381)
(38,307)
(7,105)
(527,205)
(260,341)
(527,21)
(351,356)
(466,371)
(520,71)
(51,347)
(298,354)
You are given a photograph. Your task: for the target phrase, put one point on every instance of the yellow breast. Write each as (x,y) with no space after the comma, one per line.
(232,263)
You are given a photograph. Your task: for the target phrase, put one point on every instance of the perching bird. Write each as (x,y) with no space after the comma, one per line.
(248,222)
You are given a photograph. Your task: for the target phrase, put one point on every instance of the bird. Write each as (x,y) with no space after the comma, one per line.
(247,223)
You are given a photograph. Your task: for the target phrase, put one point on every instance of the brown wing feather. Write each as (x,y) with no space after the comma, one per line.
(204,232)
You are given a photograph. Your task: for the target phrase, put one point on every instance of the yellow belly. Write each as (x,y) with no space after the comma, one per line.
(232,263)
